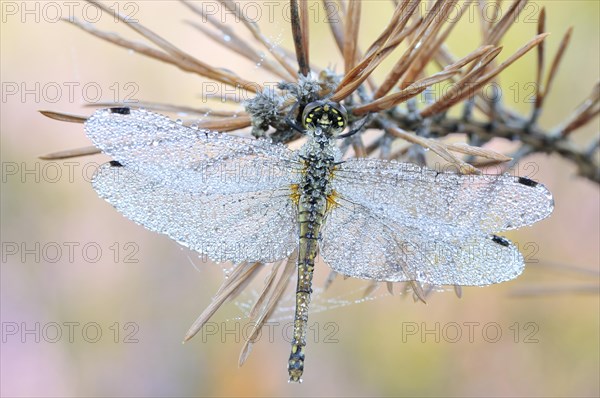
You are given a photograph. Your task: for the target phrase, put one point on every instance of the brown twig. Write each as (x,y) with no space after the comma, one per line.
(352,24)
(475,86)
(300,34)
(391,100)
(246,271)
(403,63)
(229,39)
(564,43)
(254,29)
(64,117)
(539,94)
(71,153)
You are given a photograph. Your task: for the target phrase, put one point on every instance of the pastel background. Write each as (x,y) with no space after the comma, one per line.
(549,343)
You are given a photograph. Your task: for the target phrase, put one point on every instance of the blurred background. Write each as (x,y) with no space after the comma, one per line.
(94,305)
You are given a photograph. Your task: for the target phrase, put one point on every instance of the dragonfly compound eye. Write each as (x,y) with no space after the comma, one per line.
(330,117)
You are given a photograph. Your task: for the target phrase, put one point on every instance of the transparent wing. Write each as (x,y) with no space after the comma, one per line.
(415,196)
(189,159)
(252,226)
(358,242)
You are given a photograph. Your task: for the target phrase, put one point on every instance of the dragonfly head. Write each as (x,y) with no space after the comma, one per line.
(330,117)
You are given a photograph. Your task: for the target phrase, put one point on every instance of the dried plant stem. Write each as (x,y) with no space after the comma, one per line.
(457,95)
(536,138)
(246,270)
(71,153)
(300,34)
(254,29)
(351,34)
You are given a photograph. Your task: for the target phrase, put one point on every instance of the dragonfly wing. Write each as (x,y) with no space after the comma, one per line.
(359,242)
(252,226)
(190,159)
(410,194)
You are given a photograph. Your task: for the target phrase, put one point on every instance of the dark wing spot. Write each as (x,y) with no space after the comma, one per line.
(500,240)
(526,181)
(121,111)
(114,163)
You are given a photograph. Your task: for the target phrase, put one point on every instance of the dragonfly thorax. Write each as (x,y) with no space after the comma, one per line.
(319,155)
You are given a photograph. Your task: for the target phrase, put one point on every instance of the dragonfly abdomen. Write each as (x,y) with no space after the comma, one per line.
(314,190)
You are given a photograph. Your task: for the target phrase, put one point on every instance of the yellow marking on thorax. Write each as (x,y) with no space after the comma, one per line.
(295,195)
(331,198)
(332,172)
(331,201)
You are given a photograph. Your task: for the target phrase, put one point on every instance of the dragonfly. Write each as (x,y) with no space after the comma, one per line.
(240,199)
